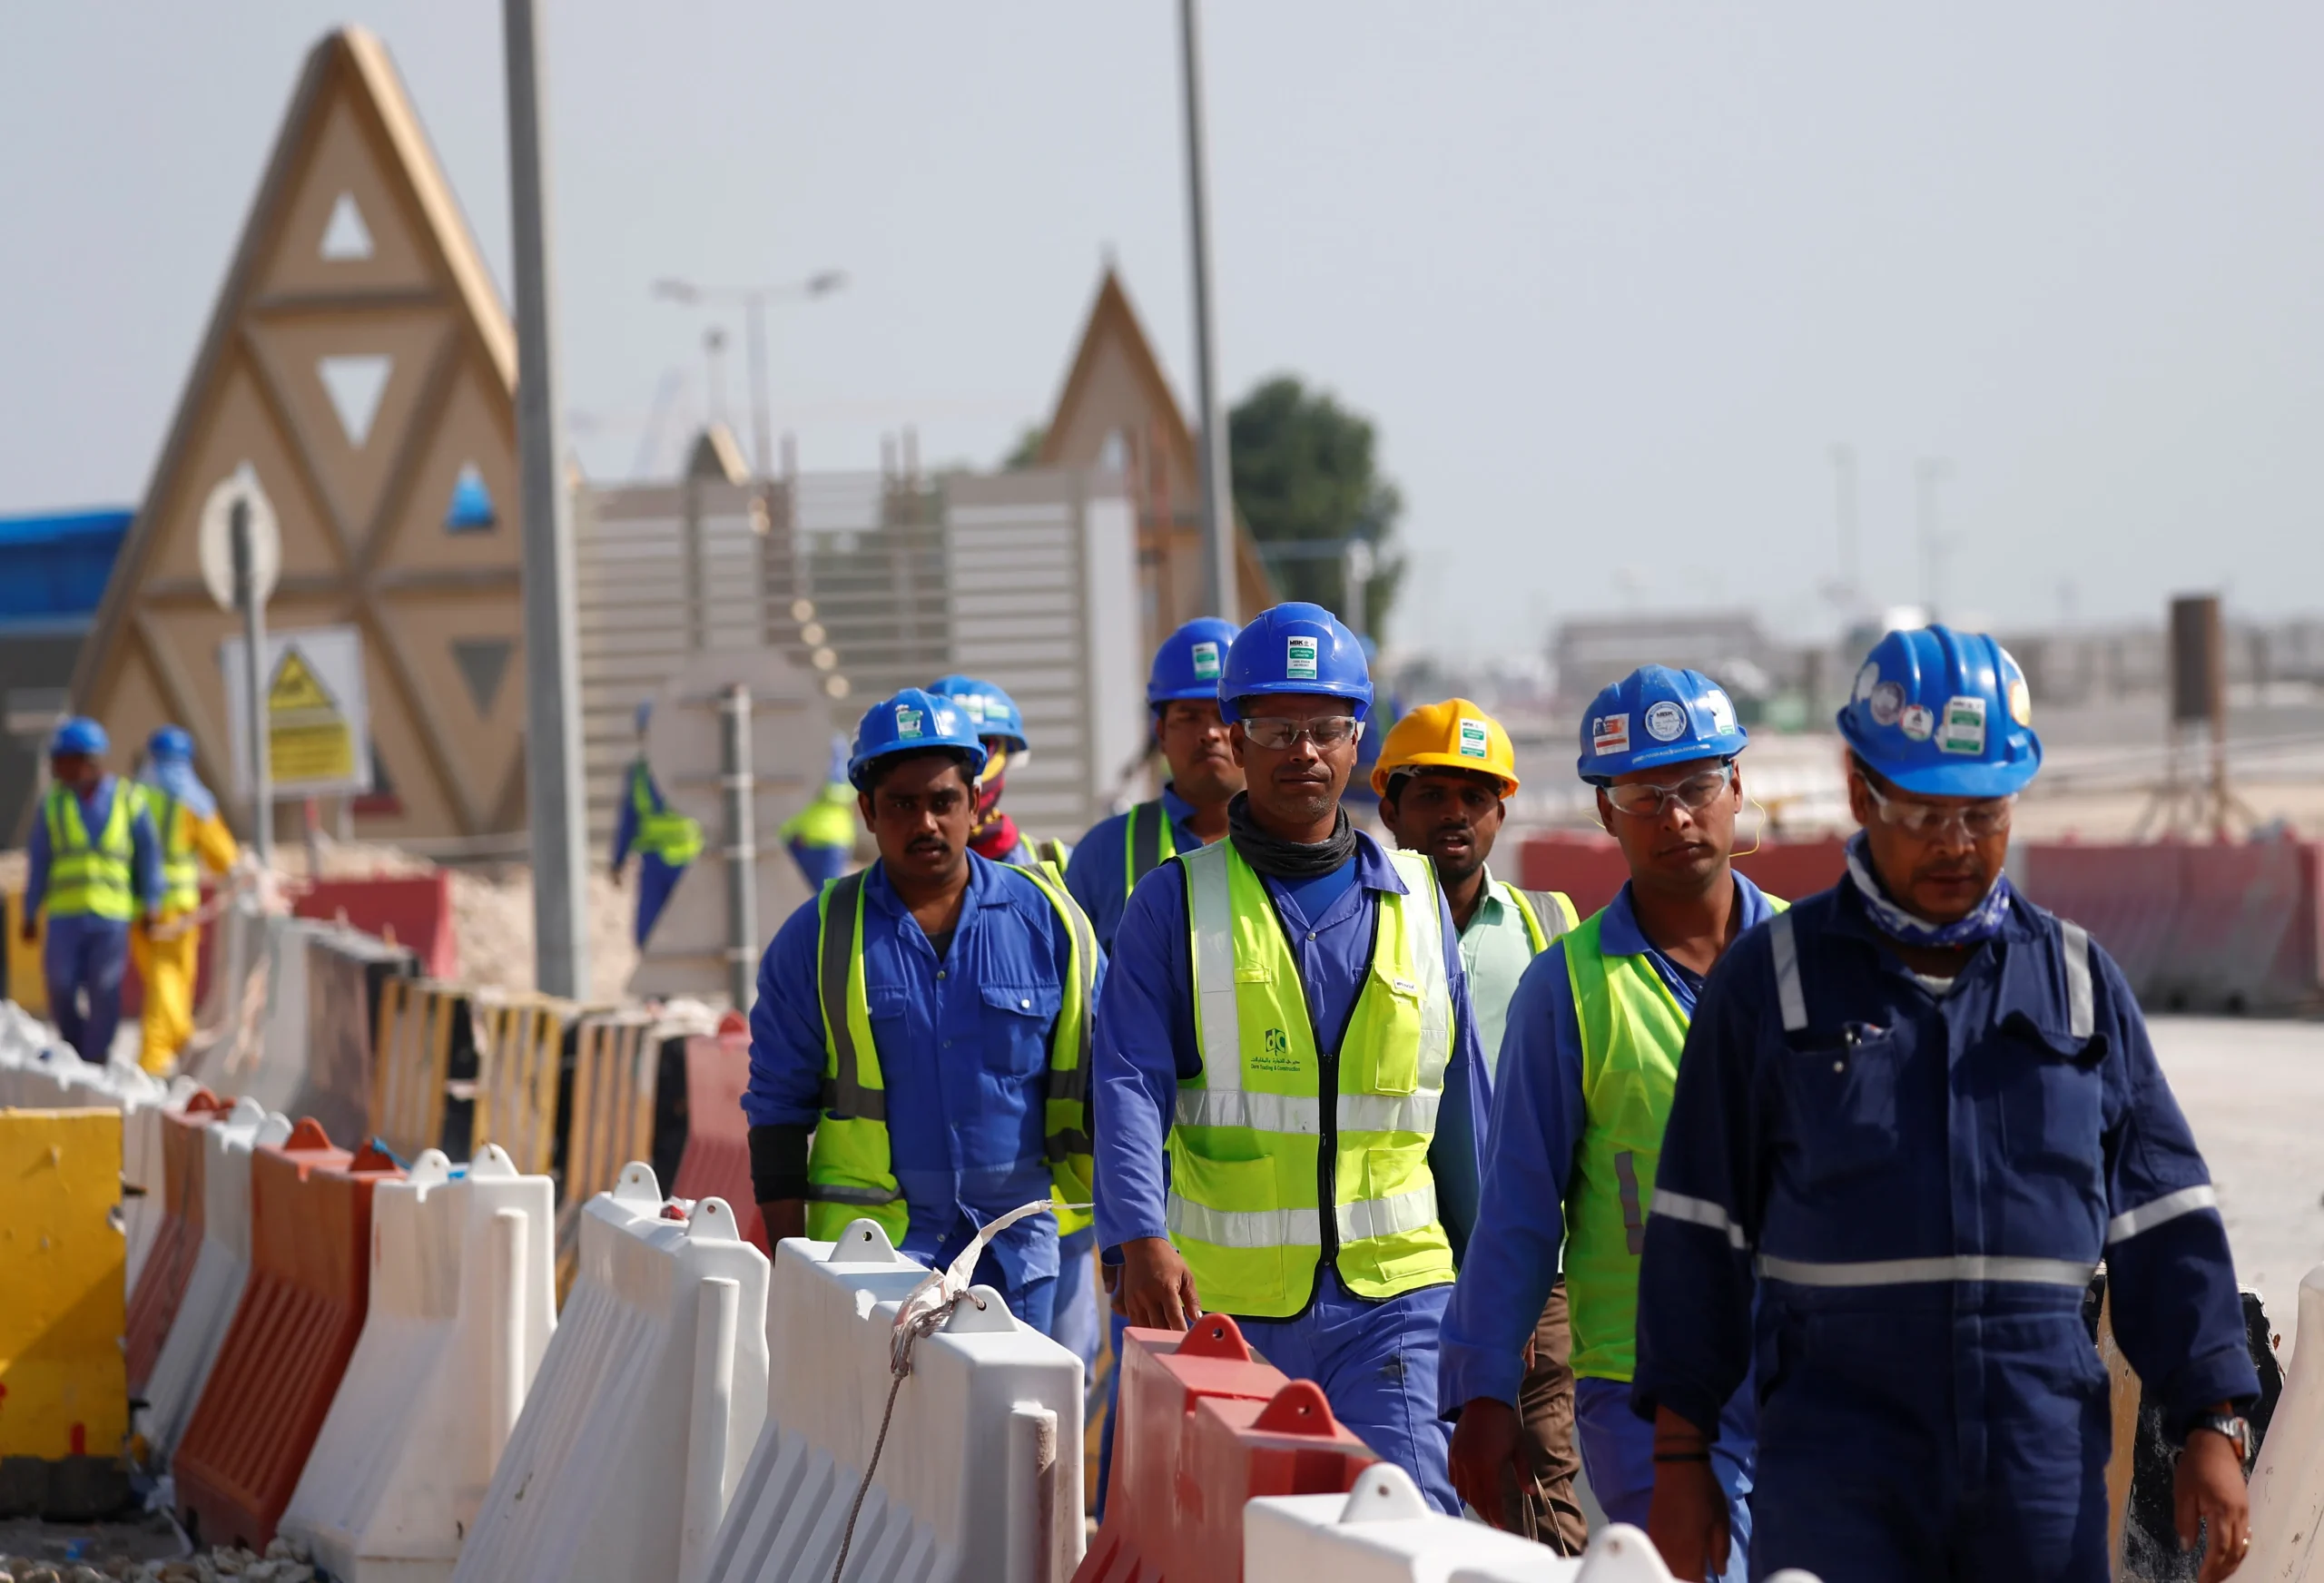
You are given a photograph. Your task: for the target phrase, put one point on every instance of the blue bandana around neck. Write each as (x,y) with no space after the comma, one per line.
(178,778)
(1983,922)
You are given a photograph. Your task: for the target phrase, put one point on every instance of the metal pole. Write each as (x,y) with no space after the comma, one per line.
(254,687)
(552,790)
(1217,479)
(761,424)
(741,845)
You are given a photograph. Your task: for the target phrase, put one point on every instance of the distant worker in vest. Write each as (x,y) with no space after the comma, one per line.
(1444,778)
(664,840)
(1584,1086)
(194,837)
(925,1022)
(1288,1067)
(93,871)
(1916,1112)
(999,724)
(821,837)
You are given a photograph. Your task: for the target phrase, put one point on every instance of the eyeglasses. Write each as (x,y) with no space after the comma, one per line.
(1282,735)
(1647,799)
(1926,821)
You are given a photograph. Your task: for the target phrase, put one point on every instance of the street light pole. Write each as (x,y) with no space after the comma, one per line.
(754,299)
(1218,491)
(553,789)
(1931,472)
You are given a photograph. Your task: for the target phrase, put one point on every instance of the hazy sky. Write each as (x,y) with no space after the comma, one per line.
(1611,278)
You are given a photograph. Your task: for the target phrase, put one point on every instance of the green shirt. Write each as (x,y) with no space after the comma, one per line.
(1495,951)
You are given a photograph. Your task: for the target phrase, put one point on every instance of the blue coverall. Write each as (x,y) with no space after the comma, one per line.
(656,875)
(86,954)
(1375,1359)
(963,1046)
(1539,1115)
(1917,1187)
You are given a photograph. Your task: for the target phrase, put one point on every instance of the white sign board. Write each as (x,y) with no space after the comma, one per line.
(317,717)
(216,542)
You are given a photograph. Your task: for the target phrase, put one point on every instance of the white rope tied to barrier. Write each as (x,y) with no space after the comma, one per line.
(923,1313)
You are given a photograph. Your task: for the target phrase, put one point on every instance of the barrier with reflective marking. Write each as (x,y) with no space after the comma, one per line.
(460,1311)
(177,1239)
(978,1478)
(221,1268)
(617,1072)
(718,1139)
(645,1405)
(2288,1480)
(520,1042)
(421,1036)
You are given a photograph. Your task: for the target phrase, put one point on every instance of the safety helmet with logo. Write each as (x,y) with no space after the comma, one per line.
(913,722)
(1944,713)
(79,735)
(991,711)
(1187,665)
(1294,650)
(1453,736)
(173,743)
(1657,715)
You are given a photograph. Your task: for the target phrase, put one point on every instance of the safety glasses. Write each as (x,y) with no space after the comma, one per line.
(1647,799)
(1282,735)
(1926,821)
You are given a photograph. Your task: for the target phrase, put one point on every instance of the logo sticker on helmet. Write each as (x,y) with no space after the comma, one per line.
(2020,701)
(1206,656)
(1299,659)
(906,720)
(1888,702)
(1472,739)
(1609,733)
(1666,722)
(1866,680)
(1722,710)
(1916,721)
(1963,728)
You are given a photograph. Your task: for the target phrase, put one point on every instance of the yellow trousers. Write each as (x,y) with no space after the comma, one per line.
(167,967)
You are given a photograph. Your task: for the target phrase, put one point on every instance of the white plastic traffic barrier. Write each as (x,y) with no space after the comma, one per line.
(645,1405)
(2288,1483)
(980,1474)
(463,1299)
(221,1269)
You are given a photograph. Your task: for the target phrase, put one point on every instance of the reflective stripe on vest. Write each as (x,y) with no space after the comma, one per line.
(1632,1030)
(850,1166)
(661,832)
(86,879)
(2082,1008)
(1147,841)
(181,868)
(1548,914)
(1983,1267)
(1248,1166)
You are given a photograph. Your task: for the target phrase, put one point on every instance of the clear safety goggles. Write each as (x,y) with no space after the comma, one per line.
(1925,820)
(1648,799)
(1282,735)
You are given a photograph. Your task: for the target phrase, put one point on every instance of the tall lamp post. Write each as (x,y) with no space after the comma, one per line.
(754,299)
(1217,490)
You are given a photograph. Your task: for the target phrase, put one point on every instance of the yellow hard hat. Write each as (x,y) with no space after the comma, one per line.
(1453,736)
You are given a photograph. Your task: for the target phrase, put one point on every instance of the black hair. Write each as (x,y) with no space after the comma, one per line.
(879,769)
(1404,772)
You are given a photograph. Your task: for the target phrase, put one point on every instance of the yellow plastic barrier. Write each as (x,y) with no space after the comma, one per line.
(411,1064)
(519,1040)
(27,985)
(62,1265)
(617,1072)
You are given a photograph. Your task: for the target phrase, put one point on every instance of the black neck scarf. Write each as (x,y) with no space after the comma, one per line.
(1281,859)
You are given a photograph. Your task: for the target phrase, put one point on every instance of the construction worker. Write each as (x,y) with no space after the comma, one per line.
(664,840)
(1286,1065)
(1444,776)
(95,868)
(194,837)
(1915,1113)
(926,1021)
(1000,726)
(1583,1085)
(821,836)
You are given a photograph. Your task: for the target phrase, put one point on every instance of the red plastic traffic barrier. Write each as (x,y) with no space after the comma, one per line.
(300,1313)
(415,910)
(1589,868)
(177,1242)
(1237,1451)
(717,1159)
(1165,1374)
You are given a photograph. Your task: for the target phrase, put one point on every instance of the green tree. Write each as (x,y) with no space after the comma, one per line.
(1027,451)
(1306,473)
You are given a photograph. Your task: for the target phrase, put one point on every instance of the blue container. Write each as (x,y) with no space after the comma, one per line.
(53,566)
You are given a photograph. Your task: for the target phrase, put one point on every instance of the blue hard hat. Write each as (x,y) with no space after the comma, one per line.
(1187,665)
(171,742)
(991,711)
(1944,713)
(1294,650)
(1656,715)
(913,722)
(79,735)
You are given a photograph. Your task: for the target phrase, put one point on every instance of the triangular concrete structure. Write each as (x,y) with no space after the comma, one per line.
(354,261)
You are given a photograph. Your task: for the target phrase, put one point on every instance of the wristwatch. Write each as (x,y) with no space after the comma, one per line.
(2237,1430)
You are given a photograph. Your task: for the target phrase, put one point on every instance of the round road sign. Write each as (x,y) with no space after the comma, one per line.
(217,541)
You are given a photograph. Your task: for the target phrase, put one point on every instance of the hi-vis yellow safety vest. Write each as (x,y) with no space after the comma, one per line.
(91,879)
(1269,1123)
(661,832)
(180,867)
(849,1168)
(1632,1032)
(1547,914)
(1146,841)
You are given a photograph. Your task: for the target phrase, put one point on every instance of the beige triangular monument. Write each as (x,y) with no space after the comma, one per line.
(360,361)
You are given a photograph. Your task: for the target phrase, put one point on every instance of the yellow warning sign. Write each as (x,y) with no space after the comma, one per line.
(308,736)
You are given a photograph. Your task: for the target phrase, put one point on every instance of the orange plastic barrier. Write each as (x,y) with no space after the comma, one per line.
(1589,868)
(717,1161)
(300,1314)
(1165,1374)
(1237,1450)
(160,1285)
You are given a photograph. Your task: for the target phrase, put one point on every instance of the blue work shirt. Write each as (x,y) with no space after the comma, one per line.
(1927,1180)
(96,809)
(1146,1046)
(1538,1116)
(1099,874)
(964,1046)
